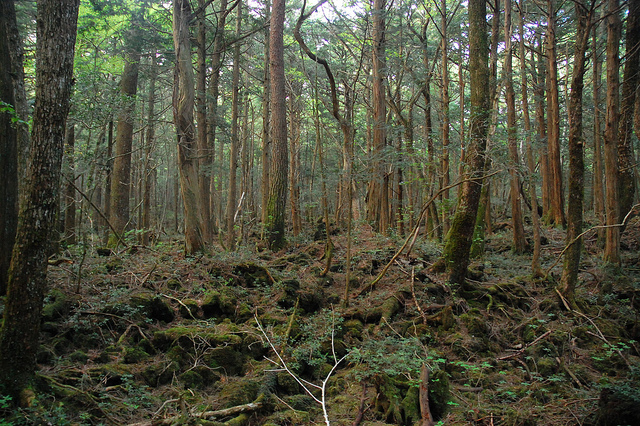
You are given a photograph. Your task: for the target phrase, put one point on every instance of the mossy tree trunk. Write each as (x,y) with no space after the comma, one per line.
(8,149)
(576,154)
(611,166)
(56,35)
(279,168)
(456,251)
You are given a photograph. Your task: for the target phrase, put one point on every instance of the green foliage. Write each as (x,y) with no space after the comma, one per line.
(9,109)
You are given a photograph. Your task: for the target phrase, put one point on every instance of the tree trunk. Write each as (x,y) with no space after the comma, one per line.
(378,195)
(56,34)
(149,169)
(446,207)
(556,215)
(536,271)
(266,134)
(277,201)
(456,251)
(121,174)
(598,184)
(611,170)
(183,104)
(8,149)
(576,155)
(626,157)
(235,139)
(204,153)
(69,236)
(541,124)
(519,242)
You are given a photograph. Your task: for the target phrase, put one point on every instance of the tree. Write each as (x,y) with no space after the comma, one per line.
(378,194)
(204,178)
(456,251)
(8,148)
(56,35)
(183,105)
(576,153)
(611,166)
(69,236)
(121,172)
(556,215)
(627,179)
(279,168)
(519,242)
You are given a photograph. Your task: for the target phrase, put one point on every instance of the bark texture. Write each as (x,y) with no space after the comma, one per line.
(456,251)
(56,34)
(279,168)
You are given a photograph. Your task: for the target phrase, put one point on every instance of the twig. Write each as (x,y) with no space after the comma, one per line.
(415,299)
(180,302)
(521,351)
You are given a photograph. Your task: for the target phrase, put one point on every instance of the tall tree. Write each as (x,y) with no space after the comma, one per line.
(8,148)
(279,168)
(204,178)
(149,169)
(456,251)
(627,179)
(56,35)
(235,138)
(266,133)
(183,105)
(70,192)
(378,195)
(556,215)
(446,210)
(611,166)
(519,242)
(598,183)
(121,172)
(576,152)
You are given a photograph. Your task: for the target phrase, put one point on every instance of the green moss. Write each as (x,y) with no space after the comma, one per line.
(159,374)
(475,322)
(439,393)
(238,392)
(79,356)
(134,355)
(353,328)
(219,303)
(56,306)
(547,366)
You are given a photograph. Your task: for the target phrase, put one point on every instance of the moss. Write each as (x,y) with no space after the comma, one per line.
(439,393)
(252,274)
(219,303)
(159,374)
(185,335)
(134,355)
(286,383)
(152,306)
(189,309)
(56,306)
(547,366)
(238,392)
(353,328)
(410,406)
(475,322)
(191,380)
(79,356)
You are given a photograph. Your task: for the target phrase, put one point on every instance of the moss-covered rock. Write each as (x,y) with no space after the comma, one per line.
(238,391)
(56,305)
(219,303)
(79,356)
(159,374)
(252,274)
(134,355)
(475,322)
(152,306)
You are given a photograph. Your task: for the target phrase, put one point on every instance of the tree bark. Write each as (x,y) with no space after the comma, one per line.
(556,214)
(576,155)
(519,242)
(279,170)
(121,174)
(8,148)
(378,195)
(598,183)
(69,236)
(611,170)
(183,104)
(149,169)
(235,139)
(626,157)
(204,153)
(56,35)
(266,134)
(456,251)
(444,165)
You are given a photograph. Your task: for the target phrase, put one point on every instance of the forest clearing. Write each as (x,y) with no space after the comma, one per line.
(356,213)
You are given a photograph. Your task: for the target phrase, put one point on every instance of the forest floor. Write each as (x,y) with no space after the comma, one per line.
(149,336)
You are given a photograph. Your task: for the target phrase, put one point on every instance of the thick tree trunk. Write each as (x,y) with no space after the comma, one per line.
(277,200)
(378,195)
(576,155)
(183,104)
(444,159)
(556,215)
(8,149)
(611,166)
(541,125)
(626,157)
(56,34)
(121,174)
(519,242)
(266,134)
(456,251)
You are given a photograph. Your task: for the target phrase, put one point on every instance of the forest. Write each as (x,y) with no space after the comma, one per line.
(385,212)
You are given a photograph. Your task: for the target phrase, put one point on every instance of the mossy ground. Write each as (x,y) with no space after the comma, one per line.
(162,335)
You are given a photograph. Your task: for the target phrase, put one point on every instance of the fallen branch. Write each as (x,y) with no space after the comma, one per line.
(427,417)
(521,351)
(238,409)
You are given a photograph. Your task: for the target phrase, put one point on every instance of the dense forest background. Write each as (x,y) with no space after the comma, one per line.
(390,212)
